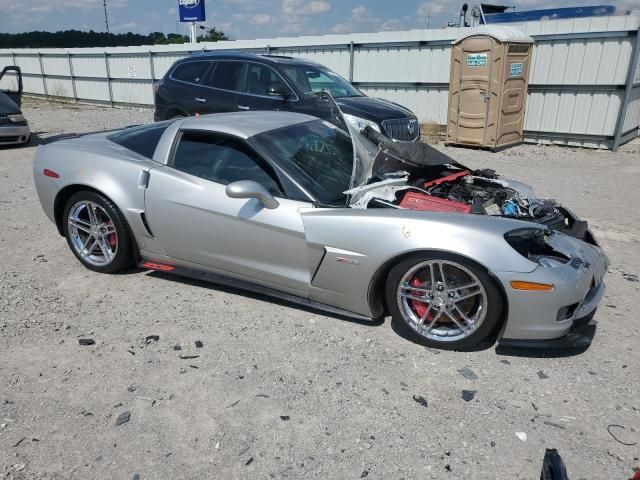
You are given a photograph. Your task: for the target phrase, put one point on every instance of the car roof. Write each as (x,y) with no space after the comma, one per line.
(245,124)
(269,59)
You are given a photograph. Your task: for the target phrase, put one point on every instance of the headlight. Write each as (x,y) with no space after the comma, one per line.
(531,243)
(361,123)
(16,118)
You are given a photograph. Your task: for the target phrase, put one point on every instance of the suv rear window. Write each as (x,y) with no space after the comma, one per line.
(191,72)
(142,140)
(226,75)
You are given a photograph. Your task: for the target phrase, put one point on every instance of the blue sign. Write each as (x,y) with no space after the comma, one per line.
(191,10)
(476,60)
(516,69)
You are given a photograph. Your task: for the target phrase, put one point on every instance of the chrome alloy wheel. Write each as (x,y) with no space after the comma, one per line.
(442,300)
(93,234)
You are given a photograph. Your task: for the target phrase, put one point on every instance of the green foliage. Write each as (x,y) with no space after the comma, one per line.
(78,39)
(214,36)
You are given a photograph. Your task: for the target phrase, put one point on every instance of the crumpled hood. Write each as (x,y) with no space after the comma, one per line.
(7,106)
(374,154)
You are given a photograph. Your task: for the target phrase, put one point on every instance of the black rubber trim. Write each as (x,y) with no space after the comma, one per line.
(262,290)
(578,337)
(143,217)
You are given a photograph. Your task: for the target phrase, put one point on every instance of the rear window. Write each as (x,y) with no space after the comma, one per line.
(191,72)
(142,140)
(226,75)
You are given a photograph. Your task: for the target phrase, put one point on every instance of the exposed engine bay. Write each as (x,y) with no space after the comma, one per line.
(416,176)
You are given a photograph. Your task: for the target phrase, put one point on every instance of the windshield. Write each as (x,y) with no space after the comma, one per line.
(318,152)
(311,79)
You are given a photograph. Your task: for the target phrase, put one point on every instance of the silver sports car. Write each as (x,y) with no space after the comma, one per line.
(348,222)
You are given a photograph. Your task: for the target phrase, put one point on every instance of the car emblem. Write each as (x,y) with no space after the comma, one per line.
(411,127)
(347,261)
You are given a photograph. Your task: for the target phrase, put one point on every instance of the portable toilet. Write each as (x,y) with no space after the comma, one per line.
(488,87)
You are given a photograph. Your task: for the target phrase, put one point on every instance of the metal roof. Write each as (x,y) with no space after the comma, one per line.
(503,33)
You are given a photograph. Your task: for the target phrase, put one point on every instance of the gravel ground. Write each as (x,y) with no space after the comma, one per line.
(280,392)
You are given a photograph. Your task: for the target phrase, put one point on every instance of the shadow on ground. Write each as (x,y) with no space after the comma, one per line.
(262,297)
(489,343)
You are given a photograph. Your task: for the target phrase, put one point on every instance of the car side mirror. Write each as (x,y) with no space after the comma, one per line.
(251,189)
(278,90)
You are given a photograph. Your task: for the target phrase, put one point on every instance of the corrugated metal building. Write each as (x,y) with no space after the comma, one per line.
(584,90)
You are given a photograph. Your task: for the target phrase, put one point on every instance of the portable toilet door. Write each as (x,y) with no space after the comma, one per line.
(488,87)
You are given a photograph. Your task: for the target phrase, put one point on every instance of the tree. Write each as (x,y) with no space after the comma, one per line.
(78,39)
(214,36)
(158,38)
(175,38)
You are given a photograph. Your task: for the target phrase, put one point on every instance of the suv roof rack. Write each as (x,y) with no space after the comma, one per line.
(270,55)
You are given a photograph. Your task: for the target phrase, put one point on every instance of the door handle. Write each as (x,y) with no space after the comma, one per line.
(200,100)
(243,107)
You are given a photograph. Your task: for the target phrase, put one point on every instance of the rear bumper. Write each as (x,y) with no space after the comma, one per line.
(14,135)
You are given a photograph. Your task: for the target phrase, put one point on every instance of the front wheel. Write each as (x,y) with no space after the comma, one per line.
(443,301)
(97,233)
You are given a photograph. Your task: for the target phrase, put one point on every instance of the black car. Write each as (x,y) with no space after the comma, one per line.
(14,129)
(212,82)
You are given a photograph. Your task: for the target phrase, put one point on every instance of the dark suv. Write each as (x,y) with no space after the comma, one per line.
(213,82)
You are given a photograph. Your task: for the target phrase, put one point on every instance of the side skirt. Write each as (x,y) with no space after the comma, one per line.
(251,287)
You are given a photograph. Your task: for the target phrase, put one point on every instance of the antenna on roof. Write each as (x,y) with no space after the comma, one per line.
(106,15)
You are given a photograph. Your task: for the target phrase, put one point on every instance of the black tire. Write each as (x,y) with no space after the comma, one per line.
(124,256)
(402,326)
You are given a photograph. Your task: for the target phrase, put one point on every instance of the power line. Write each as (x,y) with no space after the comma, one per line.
(106,15)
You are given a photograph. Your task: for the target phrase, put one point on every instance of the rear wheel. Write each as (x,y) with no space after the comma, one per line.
(97,233)
(443,301)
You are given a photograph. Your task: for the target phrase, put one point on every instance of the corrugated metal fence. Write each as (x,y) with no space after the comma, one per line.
(584,89)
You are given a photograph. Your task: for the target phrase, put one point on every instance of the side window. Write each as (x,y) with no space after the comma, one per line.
(259,78)
(191,72)
(320,81)
(222,160)
(226,75)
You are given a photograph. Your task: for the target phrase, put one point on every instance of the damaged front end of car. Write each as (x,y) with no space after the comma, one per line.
(417,176)
(569,276)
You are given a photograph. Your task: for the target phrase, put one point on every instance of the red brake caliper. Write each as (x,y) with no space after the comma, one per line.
(419,307)
(113,238)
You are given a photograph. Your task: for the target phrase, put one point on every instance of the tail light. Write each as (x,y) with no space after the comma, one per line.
(156,87)
(50,173)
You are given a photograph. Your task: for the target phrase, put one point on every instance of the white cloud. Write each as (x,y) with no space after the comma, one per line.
(393,25)
(296,15)
(297,8)
(127,26)
(359,11)
(261,19)
(46,6)
(429,8)
(362,20)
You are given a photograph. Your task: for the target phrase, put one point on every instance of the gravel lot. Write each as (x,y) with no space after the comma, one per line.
(280,392)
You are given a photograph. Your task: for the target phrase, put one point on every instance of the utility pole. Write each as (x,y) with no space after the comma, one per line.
(194,33)
(106,15)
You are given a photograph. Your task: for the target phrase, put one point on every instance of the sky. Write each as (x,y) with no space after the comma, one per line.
(246,19)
